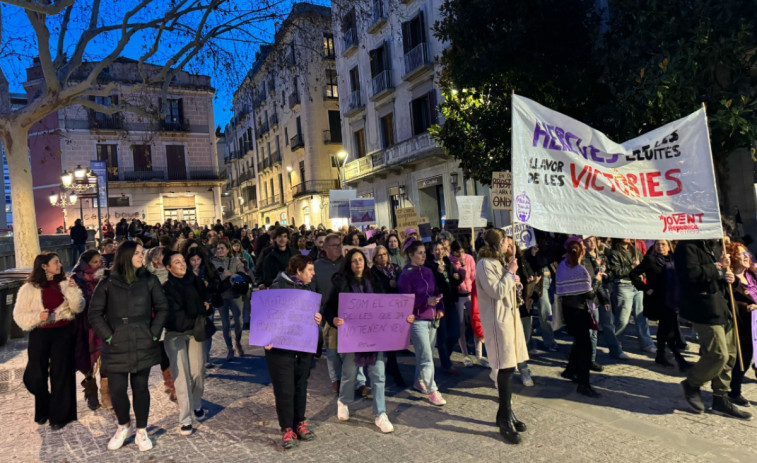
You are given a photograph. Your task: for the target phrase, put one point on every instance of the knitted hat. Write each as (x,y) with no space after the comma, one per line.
(571,240)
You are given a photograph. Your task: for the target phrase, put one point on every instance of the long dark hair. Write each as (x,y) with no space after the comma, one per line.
(38,277)
(210,271)
(347,272)
(122,261)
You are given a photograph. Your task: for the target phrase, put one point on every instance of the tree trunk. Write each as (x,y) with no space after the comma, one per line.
(25,237)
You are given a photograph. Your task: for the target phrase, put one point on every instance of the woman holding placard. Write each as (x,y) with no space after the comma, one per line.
(387,272)
(290,370)
(354,277)
(503,330)
(428,308)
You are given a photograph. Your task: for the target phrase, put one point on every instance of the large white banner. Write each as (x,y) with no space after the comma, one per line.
(570,178)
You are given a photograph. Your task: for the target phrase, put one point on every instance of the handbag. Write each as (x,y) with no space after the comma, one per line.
(204,328)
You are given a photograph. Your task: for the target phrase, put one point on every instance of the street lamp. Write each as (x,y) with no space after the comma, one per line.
(342,156)
(63,200)
(82,182)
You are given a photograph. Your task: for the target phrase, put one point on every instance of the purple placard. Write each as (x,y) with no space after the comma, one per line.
(374,322)
(305,252)
(284,317)
(754,335)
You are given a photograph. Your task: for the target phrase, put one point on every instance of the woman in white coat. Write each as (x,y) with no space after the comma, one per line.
(500,319)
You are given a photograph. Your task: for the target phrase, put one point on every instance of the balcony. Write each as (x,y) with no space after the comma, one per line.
(263,129)
(274,121)
(296,142)
(378,17)
(174,124)
(403,153)
(332,138)
(161,175)
(350,41)
(313,187)
(355,104)
(363,166)
(416,60)
(270,201)
(382,84)
(294,100)
(275,157)
(246,176)
(100,121)
(272,86)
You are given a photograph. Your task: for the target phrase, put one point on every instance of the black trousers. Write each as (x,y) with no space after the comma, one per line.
(668,332)
(51,355)
(289,371)
(165,363)
(578,323)
(505,390)
(747,348)
(118,383)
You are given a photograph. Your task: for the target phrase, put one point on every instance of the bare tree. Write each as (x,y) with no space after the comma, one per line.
(76,40)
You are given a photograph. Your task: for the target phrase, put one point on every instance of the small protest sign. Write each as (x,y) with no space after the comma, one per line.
(367,251)
(374,322)
(284,317)
(524,235)
(501,191)
(471,211)
(339,203)
(362,211)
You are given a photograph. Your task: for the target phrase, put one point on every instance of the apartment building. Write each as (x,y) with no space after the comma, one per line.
(387,63)
(155,169)
(287,125)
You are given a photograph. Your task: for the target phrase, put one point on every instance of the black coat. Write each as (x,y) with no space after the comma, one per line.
(385,281)
(655,303)
(743,300)
(702,290)
(447,284)
(79,235)
(186,301)
(132,347)
(340,285)
(276,262)
(599,289)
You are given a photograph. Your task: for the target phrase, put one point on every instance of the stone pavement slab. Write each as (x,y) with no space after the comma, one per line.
(640,417)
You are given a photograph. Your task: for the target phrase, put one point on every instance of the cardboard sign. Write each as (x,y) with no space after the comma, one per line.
(362,211)
(368,251)
(374,322)
(407,217)
(284,317)
(471,211)
(501,191)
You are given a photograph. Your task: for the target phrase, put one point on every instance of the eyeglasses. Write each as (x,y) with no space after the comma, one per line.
(383,254)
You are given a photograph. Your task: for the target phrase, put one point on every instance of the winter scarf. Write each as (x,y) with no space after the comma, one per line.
(363,359)
(572,280)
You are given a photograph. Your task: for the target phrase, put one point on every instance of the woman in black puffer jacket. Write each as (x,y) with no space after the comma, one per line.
(128,311)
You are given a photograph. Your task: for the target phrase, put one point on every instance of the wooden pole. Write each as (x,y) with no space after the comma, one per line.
(735,320)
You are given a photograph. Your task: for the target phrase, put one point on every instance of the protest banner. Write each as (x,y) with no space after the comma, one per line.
(368,250)
(339,203)
(374,322)
(570,178)
(362,211)
(470,209)
(284,317)
(524,235)
(407,217)
(501,192)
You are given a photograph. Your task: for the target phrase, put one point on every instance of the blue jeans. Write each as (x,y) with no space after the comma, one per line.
(76,251)
(233,306)
(350,382)
(209,342)
(544,307)
(423,337)
(629,300)
(334,363)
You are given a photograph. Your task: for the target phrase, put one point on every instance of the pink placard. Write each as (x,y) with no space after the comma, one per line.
(374,322)
(285,317)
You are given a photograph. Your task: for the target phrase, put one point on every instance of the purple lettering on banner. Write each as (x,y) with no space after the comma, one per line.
(374,322)
(285,318)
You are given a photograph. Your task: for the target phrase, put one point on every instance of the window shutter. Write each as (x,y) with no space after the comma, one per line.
(387,55)
(412,119)
(432,107)
(373,58)
(422,29)
(406,39)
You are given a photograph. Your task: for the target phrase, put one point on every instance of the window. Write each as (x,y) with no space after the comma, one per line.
(386,125)
(173,111)
(102,120)
(332,89)
(272,190)
(355,79)
(299,126)
(379,59)
(335,127)
(249,137)
(142,155)
(286,136)
(413,33)
(328,46)
(119,201)
(278,145)
(358,139)
(109,154)
(423,112)
(302,171)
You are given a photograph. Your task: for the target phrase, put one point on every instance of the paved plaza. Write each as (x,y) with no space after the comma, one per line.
(639,418)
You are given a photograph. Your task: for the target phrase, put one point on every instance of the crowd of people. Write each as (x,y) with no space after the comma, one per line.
(150,294)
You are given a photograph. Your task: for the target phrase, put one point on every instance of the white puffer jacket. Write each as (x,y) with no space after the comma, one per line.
(29,305)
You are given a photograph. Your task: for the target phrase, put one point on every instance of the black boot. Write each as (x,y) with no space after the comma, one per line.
(90,392)
(517,424)
(661,359)
(683,364)
(723,406)
(505,420)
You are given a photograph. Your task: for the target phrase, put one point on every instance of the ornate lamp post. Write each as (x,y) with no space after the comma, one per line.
(63,200)
(83,182)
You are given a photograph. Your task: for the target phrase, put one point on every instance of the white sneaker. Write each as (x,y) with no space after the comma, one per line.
(467,361)
(383,423)
(493,377)
(117,441)
(525,377)
(342,411)
(143,440)
(483,362)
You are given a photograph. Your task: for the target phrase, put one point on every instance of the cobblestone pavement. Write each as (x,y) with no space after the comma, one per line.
(640,417)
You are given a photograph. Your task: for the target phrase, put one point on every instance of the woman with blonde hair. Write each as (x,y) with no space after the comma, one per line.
(745,297)
(500,319)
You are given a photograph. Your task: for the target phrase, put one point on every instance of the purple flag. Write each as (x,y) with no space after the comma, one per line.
(374,322)
(284,317)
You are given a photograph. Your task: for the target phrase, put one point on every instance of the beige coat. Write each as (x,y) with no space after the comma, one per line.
(29,305)
(500,319)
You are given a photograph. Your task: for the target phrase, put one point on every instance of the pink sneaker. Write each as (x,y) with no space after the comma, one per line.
(420,386)
(436,399)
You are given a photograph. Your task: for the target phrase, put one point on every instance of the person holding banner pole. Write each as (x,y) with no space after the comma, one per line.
(503,331)
(428,310)
(290,370)
(745,299)
(447,280)
(703,271)
(356,278)
(622,259)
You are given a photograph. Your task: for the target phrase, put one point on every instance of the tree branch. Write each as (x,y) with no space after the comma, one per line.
(41,8)
(59,57)
(38,22)
(110,110)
